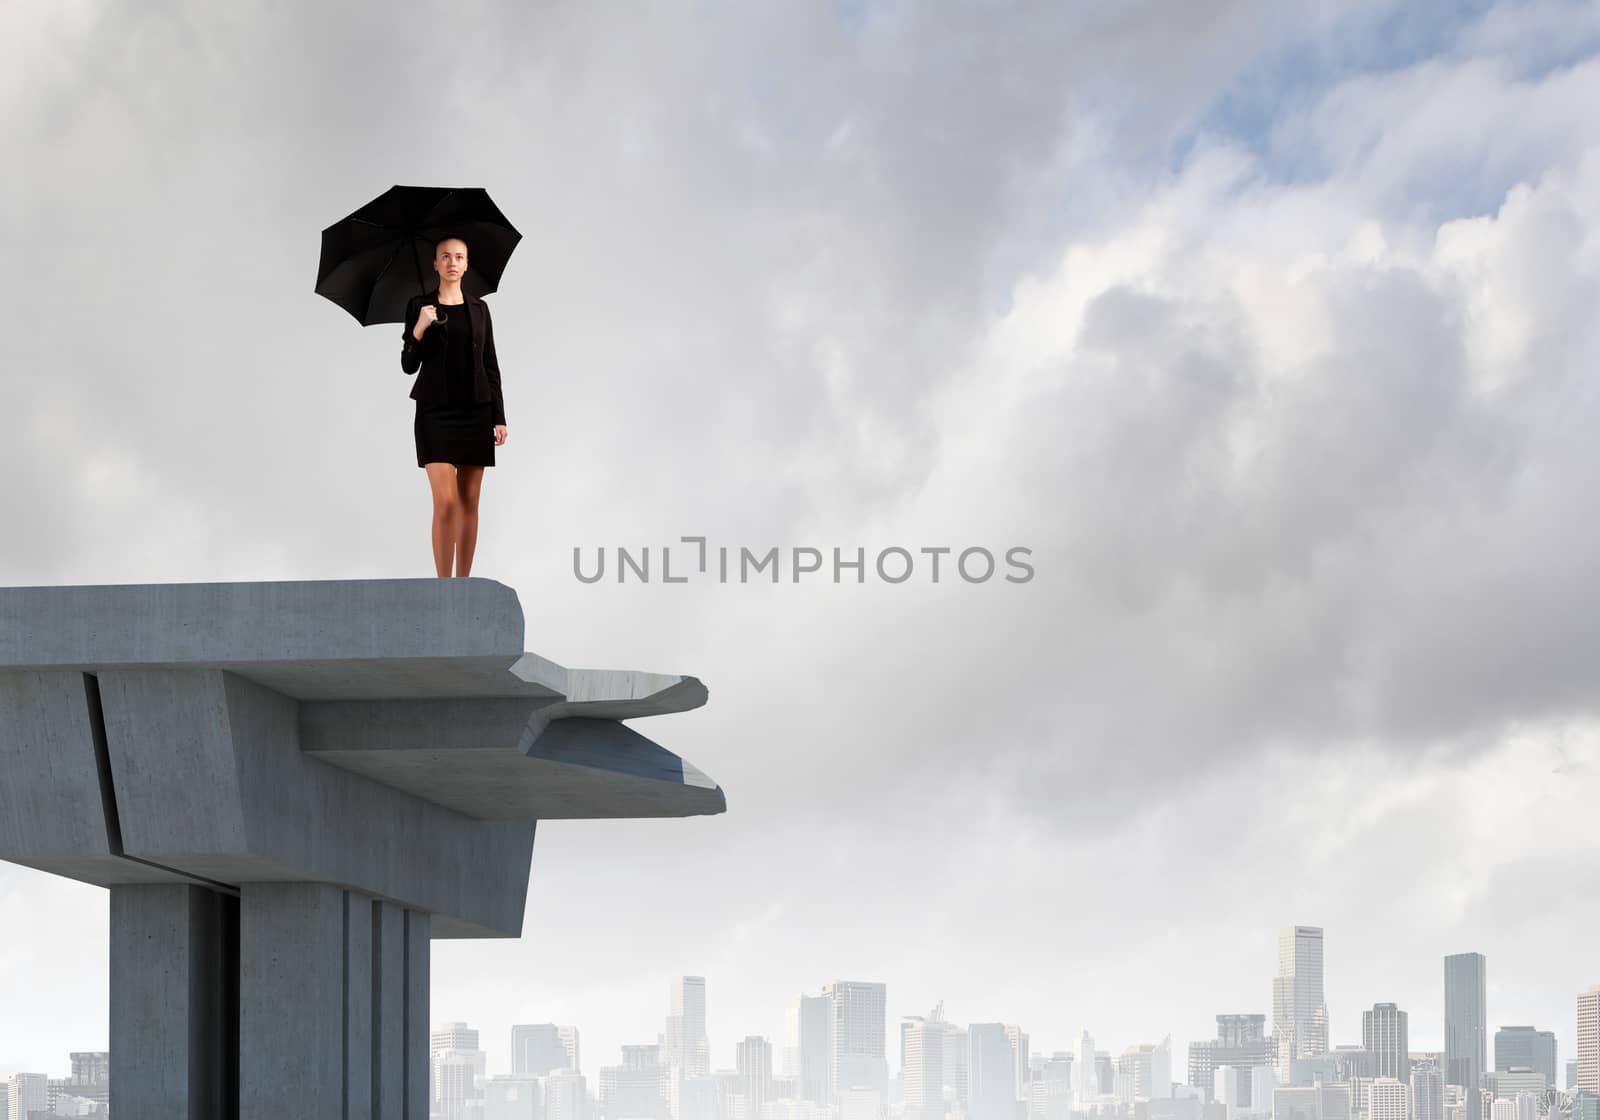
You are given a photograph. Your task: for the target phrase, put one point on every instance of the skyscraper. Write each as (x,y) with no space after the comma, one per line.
(455,1057)
(1526,1048)
(1050,1097)
(536,1049)
(1088,1072)
(688,1051)
(1241,1041)
(569,1043)
(566,1096)
(637,1089)
(1018,1038)
(28,1092)
(457,1085)
(955,1060)
(1466,1025)
(1427,1092)
(922,1074)
(755,1072)
(1589,1039)
(808,1022)
(991,1073)
(1387,1099)
(857,1038)
(1383,1035)
(1299,1015)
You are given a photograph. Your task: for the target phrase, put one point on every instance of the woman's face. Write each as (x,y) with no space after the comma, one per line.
(450,260)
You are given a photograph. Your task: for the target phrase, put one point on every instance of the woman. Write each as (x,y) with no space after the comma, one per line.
(461,416)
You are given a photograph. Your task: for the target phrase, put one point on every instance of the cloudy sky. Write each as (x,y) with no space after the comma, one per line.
(1270,329)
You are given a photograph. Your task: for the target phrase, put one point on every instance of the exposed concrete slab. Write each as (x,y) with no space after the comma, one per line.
(211,781)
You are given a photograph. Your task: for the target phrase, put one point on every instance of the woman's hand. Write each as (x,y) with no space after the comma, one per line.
(499,434)
(425,319)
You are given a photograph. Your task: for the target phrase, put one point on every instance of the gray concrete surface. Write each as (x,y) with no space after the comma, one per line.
(290,789)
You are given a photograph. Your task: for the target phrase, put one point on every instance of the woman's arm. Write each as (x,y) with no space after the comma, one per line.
(491,366)
(411,349)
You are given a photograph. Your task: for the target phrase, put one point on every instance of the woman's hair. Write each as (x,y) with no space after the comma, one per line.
(451,237)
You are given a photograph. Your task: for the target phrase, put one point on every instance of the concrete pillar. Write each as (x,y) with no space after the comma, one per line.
(174,1002)
(334,987)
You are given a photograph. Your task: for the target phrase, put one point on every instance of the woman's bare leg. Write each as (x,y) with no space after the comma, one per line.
(469,481)
(446,514)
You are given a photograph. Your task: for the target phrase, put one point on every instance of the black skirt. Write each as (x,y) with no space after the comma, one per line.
(462,434)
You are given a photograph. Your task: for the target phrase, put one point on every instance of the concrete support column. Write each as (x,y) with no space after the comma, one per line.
(174,1002)
(334,986)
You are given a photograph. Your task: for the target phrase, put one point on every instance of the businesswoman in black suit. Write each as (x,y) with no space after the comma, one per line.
(461,414)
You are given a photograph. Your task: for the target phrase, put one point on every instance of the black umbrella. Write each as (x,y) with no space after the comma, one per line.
(380,256)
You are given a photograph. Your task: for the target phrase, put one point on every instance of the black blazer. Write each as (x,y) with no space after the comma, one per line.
(429,354)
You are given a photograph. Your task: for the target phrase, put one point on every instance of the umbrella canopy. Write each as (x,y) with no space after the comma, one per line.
(377,258)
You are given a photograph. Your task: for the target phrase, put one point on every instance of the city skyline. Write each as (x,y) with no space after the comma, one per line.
(1394,1025)
(1384,1028)
(992,1065)
(991,1059)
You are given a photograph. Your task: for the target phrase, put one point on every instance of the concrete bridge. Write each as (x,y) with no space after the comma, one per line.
(290,789)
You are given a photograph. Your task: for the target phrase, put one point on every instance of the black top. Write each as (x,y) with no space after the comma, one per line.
(457,330)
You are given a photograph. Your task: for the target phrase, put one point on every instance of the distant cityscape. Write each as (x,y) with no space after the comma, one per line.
(833,1064)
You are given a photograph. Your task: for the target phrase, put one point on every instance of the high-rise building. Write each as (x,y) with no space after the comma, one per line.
(566,1096)
(1508,1083)
(1088,1070)
(1589,1039)
(1241,1091)
(755,1072)
(536,1050)
(569,1043)
(457,1088)
(90,1078)
(1386,1099)
(453,1036)
(922,1077)
(1354,1063)
(511,1098)
(1241,1041)
(1383,1035)
(1466,1025)
(1572,1075)
(688,1050)
(1299,1014)
(1144,1072)
(857,1038)
(991,1073)
(806,1050)
(1018,1038)
(28,1092)
(1203,1066)
(1050,1097)
(955,1061)
(1427,1091)
(1526,1048)
(457,1044)
(637,1089)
